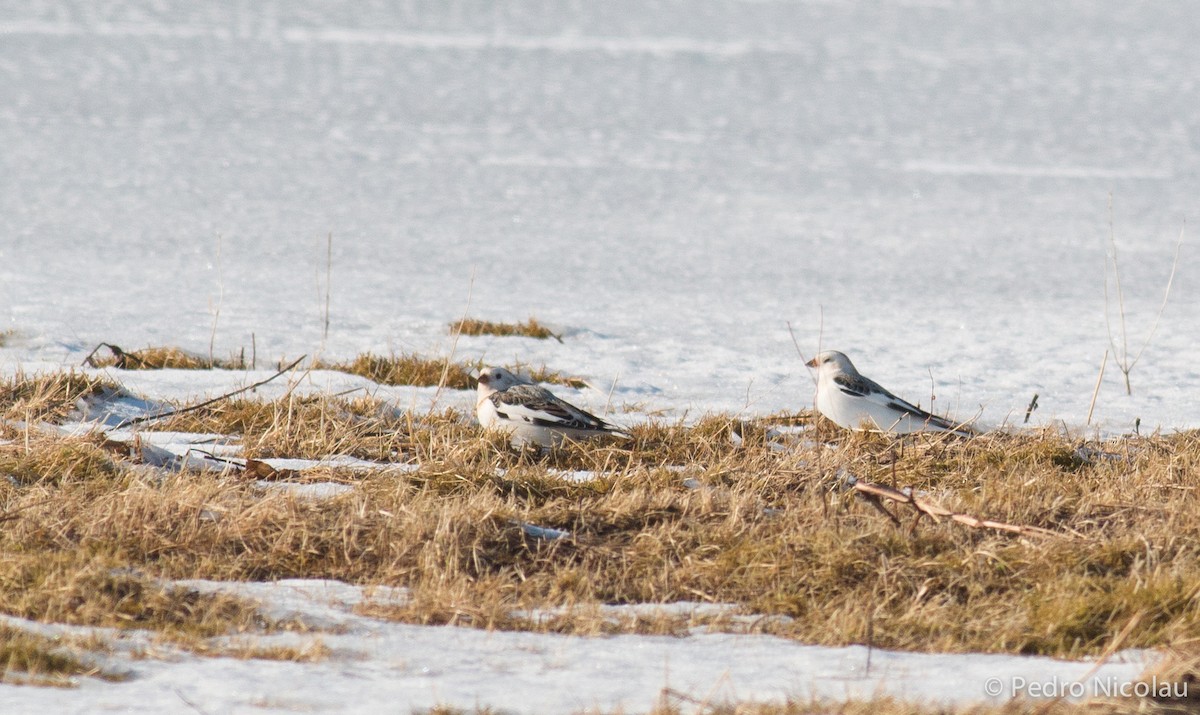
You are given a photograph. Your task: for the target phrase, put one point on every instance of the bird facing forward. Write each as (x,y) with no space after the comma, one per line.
(532,414)
(859,403)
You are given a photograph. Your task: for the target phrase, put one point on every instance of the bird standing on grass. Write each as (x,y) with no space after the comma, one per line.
(859,403)
(533,414)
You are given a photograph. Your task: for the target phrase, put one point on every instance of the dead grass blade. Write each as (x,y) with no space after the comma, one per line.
(925,507)
(191,408)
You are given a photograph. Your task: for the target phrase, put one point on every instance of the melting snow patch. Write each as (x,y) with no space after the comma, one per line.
(377,666)
(312,490)
(578,476)
(335,462)
(179,450)
(318,603)
(541,532)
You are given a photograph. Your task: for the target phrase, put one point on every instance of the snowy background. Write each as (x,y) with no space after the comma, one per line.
(921,184)
(671,183)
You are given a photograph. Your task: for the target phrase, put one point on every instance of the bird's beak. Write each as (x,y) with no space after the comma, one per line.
(811,363)
(482,379)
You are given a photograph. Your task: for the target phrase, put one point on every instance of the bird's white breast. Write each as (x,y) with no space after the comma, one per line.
(485,412)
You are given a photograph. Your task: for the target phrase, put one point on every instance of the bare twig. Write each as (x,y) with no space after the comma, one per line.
(328,287)
(611,390)
(122,358)
(928,508)
(1116,643)
(125,360)
(799,352)
(870,639)
(454,343)
(12,513)
(874,501)
(189,703)
(171,413)
(1121,354)
(1112,238)
(1096,392)
(88,360)
(1033,405)
(1163,307)
(212,338)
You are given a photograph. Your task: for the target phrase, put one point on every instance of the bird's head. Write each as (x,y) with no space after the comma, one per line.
(497,379)
(832,360)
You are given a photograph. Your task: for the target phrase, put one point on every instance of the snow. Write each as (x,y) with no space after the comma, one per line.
(374,665)
(922,185)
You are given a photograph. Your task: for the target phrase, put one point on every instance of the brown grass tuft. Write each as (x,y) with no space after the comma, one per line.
(313,651)
(161,358)
(48,397)
(57,460)
(306,428)
(32,659)
(102,590)
(407,370)
(427,372)
(529,329)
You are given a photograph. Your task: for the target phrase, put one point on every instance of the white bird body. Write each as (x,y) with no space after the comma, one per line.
(855,402)
(533,414)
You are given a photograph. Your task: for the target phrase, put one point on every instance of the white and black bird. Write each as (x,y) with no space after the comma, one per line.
(532,414)
(859,403)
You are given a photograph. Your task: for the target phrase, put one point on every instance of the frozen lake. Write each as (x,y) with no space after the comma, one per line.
(671,182)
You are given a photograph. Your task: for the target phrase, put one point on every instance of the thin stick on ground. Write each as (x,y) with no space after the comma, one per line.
(14,513)
(1116,643)
(612,388)
(212,338)
(453,344)
(328,288)
(800,352)
(928,508)
(1096,392)
(182,410)
(119,355)
(1121,354)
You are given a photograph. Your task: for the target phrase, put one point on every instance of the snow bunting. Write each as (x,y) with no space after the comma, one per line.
(531,413)
(856,402)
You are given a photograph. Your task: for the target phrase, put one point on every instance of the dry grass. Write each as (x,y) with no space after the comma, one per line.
(717,511)
(32,659)
(160,358)
(48,397)
(529,329)
(674,702)
(305,428)
(313,651)
(57,460)
(396,369)
(102,589)
(405,369)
